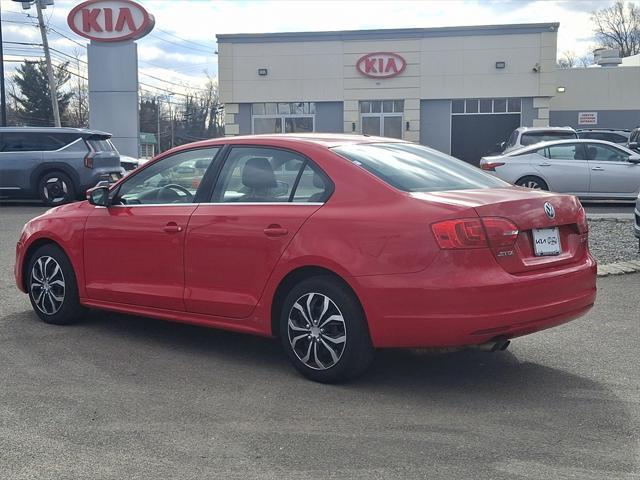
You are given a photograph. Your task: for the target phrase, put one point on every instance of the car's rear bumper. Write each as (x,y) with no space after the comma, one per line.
(447,305)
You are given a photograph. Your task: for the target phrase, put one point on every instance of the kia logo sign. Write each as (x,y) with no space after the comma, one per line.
(381,65)
(110,20)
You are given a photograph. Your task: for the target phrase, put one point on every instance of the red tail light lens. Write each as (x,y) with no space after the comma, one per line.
(583,225)
(88,160)
(491,166)
(460,233)
(500,231)
(475,233)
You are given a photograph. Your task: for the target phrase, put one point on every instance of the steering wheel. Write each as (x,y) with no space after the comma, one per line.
(174,189)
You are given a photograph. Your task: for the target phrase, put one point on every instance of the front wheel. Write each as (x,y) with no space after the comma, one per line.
(52,286)
(532,182)
(324,331)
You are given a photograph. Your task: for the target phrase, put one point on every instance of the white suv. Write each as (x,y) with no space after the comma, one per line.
(525,136)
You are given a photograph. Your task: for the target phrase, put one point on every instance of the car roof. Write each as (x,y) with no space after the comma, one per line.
(537,146)
(84,131)
(545,129)
(328,140)
(625,130)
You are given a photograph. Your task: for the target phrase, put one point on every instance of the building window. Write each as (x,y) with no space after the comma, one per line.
(474,106)
(146,150)
(271,117)
(382,118)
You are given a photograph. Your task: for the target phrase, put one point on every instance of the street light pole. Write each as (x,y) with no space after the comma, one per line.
(3,98)
(52,80)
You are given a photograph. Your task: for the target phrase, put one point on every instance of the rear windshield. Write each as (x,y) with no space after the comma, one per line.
(414,168)
(537,137)
(101,144)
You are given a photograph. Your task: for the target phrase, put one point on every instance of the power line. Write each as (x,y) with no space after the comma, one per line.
(183,39)
(179,45)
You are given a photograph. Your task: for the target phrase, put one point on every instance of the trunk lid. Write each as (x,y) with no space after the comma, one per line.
(525,208)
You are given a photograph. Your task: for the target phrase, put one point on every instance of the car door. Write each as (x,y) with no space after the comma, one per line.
(19,158)
(261,198)
(564,167)
(612,175)
(134,249)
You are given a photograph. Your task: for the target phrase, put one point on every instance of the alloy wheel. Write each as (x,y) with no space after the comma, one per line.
(55,190)
(531,184)
(317,331)
(47,286)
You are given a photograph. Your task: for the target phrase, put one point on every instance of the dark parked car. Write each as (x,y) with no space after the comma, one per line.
(620,136)
(55,164)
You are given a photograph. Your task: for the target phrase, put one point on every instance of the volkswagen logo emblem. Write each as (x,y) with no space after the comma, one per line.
(549,210)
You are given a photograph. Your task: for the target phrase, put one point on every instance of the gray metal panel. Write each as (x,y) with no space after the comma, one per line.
(386,34)
(243,118)
(116,113)
(113,67)
(606,118)
(435,124)
(528,113)
(329,117)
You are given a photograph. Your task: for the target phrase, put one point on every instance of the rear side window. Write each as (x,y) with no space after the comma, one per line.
(101,144)
(530,138)
(35,141)
(565,151)
(414,168)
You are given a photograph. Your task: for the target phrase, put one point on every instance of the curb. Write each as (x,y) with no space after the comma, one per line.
(619,268)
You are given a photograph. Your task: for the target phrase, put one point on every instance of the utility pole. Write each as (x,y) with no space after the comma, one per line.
(52,79)
(3,98)
(158,112)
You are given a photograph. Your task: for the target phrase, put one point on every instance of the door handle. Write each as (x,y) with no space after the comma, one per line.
(598,169)
(172,227)
(275,230)
(544,164)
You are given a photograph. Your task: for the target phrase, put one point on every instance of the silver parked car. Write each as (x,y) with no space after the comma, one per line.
(526,136)
(590,169)
(55,164)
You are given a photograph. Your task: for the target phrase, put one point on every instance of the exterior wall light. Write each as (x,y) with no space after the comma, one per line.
(263,72)
(561,89)
(501,65)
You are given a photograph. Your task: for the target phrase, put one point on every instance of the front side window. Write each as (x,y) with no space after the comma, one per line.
(604,153)
(36,141)
(268,175)
(415,168)
(174,179)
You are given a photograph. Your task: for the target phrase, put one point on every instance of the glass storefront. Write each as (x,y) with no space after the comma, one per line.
(382,118)
(271,117)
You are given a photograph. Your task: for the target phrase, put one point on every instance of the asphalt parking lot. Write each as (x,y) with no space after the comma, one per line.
(125,397)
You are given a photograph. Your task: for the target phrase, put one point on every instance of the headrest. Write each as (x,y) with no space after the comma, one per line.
(318,182)
(258,174)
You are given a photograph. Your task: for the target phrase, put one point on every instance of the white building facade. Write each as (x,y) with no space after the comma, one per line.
(458,89)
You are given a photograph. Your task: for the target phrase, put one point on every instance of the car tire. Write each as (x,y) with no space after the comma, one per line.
(324,331)
(535,183)
(52,286)
(56,188)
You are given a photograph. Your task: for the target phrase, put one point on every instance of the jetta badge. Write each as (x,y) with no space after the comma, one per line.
(549,210)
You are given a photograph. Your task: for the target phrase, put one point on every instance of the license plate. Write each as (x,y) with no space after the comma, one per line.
(546,241)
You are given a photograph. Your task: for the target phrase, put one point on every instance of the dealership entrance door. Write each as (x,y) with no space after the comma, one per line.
(478,125)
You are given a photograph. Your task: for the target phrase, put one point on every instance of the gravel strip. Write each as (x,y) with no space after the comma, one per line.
(612,241)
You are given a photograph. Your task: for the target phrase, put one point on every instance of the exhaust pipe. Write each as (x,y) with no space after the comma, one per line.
(494,345)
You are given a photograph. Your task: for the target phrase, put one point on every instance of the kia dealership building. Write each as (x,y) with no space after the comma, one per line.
(458,89)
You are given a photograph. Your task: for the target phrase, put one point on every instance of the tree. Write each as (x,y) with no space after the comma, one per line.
(77,114)
(618,26)
(569,59)
(34,102)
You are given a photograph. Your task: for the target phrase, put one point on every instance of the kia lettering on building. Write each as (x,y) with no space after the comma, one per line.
(381,64)
(110,20)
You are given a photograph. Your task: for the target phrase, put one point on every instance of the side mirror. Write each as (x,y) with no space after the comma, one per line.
(99,195)
(634,158)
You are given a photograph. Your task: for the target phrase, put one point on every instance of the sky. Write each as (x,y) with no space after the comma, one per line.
(180,51)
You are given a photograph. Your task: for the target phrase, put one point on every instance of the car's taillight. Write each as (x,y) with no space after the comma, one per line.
(475,233)
(460,233)
(491,166)
(500,231)
(88,160)
(583,225)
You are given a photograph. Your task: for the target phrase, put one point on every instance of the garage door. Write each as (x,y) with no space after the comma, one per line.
(478,125)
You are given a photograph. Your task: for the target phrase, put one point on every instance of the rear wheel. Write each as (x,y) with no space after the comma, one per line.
(56,188)
(52,286)
(532,182)
(324,331)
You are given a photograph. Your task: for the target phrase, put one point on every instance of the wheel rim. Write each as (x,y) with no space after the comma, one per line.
(47,285)
(55,189)
(531,184)
(317,331)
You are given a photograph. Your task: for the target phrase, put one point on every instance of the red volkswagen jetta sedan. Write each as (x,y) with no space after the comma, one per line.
(336,244)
